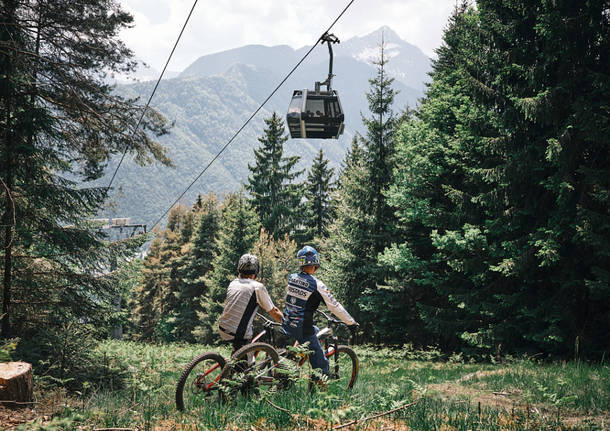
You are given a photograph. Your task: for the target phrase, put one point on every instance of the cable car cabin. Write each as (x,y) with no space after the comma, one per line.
(315,114)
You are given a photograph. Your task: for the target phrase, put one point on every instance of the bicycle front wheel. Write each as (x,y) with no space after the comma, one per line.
(342,367)
(198,383)
(253,365)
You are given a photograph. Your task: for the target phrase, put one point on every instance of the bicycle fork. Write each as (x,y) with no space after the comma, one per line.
(331,350)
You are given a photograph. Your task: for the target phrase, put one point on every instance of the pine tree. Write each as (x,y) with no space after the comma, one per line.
(274,197)
(144,316)
(172,252)
(379,151)
(277,258)
(197,263)
(237,233)
(365,224)
(318,189)
(60,124)
(349,246)
(432,195)
(502,176)
(162,279)
(553,136)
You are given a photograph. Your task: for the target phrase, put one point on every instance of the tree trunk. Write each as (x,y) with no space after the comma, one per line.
(7,70)
(15,382)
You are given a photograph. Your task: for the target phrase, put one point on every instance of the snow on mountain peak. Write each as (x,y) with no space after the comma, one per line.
(368,54)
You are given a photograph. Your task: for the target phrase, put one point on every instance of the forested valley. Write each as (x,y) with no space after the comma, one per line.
(470,230)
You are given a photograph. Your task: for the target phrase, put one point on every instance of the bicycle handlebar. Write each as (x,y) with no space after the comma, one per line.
(332,319)
(267,322)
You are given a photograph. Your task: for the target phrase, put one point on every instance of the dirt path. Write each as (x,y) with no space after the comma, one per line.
(507,400)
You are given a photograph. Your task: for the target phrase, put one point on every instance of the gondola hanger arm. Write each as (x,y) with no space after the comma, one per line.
(329,38)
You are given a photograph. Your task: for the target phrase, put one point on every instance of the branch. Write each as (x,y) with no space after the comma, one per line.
(279,408)
(10,196)
(354,422)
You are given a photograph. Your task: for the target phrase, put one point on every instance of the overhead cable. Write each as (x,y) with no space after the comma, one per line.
(252,116)
(153,92)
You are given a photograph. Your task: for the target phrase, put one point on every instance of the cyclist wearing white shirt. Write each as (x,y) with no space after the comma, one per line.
(244,296)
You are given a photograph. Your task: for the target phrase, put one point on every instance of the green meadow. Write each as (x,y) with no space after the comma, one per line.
(135,389)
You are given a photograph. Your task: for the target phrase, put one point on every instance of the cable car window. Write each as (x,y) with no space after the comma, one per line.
(315,107)
(331,109)
(295,104)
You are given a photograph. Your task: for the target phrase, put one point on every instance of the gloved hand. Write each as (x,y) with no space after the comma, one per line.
(353,328)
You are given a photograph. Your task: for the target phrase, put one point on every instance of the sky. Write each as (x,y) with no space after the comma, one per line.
(218,25)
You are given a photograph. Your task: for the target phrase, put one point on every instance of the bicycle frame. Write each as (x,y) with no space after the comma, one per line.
(326,335)
(196,382)
(330,340)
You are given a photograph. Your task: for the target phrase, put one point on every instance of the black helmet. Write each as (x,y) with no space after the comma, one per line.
(248,264)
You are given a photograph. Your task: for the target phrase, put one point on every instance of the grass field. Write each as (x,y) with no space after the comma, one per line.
(451,395)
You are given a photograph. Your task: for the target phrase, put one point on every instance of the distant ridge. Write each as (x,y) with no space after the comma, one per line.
(211,98)
(273,58)
(408,63)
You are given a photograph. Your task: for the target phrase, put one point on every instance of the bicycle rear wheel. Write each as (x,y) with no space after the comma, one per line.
(342,372)
(198,383)
(253,365)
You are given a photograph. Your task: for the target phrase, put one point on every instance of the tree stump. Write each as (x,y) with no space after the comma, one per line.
(15,382)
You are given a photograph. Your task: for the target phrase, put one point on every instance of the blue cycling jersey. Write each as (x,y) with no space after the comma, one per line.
(303,295)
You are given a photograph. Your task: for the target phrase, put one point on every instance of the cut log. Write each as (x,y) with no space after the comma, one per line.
(15,382)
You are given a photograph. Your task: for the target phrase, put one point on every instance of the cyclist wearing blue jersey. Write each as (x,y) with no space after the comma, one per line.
(303,296)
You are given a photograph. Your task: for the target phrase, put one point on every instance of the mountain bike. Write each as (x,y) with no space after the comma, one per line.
(210,377)
(255,364)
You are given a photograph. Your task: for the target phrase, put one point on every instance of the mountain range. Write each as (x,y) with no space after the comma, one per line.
(210,100)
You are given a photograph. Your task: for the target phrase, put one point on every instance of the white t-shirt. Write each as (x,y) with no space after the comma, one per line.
(244,295)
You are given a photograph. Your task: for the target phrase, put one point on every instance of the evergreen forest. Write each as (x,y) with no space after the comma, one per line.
(475,224)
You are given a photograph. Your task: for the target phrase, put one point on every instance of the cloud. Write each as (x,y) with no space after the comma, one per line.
(218,25)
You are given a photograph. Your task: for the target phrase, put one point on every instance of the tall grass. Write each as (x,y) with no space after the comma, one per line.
(452,395)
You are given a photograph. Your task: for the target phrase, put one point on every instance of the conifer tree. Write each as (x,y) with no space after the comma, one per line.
(318,189)
(275,197)
(171,253)
(157,296)
(237,233)
(144,316)
(365,224)
(60,124)
(501,180)
(349,245)
(432,192)
(197,262)
(379,151)
(277,258)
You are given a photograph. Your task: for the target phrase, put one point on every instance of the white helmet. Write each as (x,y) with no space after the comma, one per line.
(248,264)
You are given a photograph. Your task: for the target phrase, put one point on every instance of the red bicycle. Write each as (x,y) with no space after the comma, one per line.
(260,363)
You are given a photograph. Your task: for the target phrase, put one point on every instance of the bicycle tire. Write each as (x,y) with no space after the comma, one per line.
(215,361)
(240,371)
(353,360)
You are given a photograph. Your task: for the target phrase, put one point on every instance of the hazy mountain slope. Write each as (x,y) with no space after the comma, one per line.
(278,58)
(207,112)
(212,98)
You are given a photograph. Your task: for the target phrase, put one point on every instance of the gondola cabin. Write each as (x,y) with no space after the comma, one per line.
(315,114)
